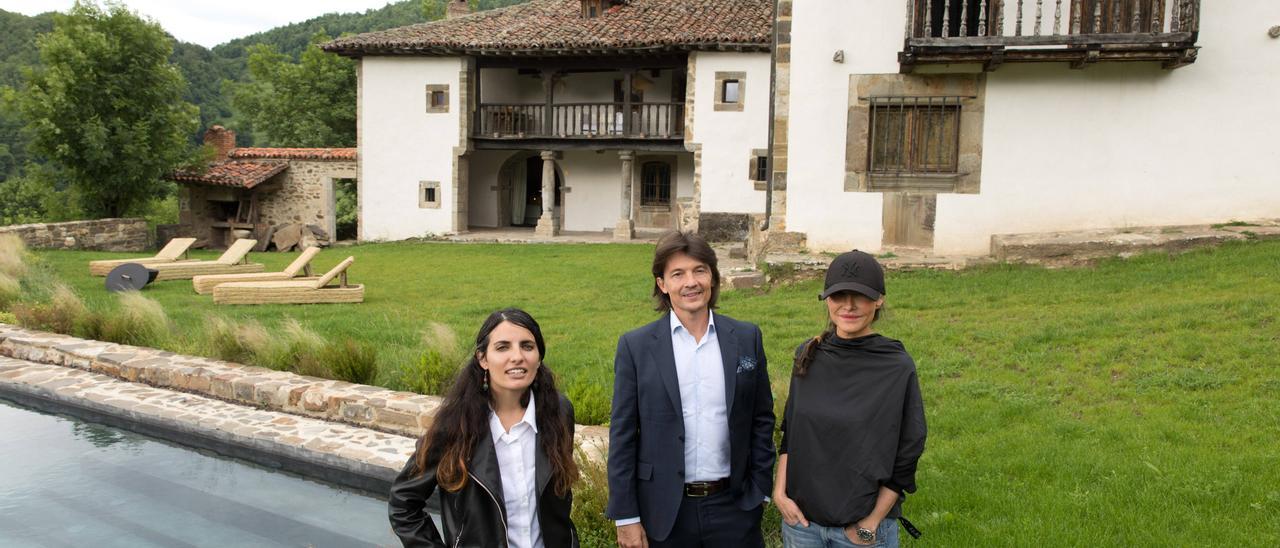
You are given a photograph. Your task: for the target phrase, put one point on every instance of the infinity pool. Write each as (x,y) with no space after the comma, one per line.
(64,482)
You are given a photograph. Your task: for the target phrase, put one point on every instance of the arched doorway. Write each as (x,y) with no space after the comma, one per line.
(520,190)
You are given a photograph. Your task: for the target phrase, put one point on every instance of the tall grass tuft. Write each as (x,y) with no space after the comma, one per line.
(436,366)
(61,314)
(13,255)
(221,340)
(136,320)
(301,348)
(350,360)
(10,291)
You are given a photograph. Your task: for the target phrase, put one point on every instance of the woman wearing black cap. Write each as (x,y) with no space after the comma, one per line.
(854,428)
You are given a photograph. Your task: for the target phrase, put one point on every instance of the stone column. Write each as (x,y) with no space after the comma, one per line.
(548,223)
(625,230)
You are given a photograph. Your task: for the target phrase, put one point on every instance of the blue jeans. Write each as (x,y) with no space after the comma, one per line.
(817,536)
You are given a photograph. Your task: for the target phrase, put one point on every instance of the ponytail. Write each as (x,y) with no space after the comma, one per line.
(805,358)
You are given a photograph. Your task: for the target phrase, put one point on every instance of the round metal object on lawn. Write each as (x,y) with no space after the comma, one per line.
(129,277)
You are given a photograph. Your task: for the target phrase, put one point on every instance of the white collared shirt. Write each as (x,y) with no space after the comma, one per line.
(517,464)
(706,415)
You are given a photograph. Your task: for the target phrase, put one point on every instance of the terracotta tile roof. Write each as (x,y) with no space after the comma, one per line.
(542,25)
(236,173)
(294,153)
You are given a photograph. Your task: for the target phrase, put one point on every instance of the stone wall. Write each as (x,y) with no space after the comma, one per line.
(99,235)
(305,195)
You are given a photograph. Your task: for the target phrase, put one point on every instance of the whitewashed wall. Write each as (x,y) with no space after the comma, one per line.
(401,144)
(1113,145)
(508,86)
(482,204)
(727,137)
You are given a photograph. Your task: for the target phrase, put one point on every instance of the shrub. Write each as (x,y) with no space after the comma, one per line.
(62,314)
(9,318)
(590,497)
(13,255)
(137,320)
(350,360)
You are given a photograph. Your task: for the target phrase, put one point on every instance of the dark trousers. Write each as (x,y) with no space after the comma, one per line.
(714,522)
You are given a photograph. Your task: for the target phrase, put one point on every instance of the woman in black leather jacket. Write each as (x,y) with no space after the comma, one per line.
(503,407)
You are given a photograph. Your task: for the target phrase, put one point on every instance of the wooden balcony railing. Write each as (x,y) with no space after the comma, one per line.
(1080,31)
(581,121)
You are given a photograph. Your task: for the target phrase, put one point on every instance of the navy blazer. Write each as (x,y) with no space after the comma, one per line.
(646,427)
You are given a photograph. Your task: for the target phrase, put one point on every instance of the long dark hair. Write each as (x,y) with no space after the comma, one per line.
(463,418)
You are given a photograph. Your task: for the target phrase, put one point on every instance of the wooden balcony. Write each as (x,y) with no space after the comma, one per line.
(579,125)
(1081,32)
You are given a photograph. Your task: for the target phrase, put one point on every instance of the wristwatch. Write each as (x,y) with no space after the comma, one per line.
(866,535)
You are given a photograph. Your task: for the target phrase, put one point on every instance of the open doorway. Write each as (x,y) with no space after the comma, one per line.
(345,213)
(526,193)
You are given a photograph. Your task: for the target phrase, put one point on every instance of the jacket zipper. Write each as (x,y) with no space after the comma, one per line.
(495,503)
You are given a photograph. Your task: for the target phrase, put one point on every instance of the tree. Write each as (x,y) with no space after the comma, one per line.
(311,103)
(106,106)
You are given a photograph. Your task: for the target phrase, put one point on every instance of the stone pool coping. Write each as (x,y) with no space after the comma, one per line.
(346,455)
(401,413)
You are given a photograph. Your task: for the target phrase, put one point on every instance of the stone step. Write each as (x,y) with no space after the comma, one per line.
(746,279)
(1082,246)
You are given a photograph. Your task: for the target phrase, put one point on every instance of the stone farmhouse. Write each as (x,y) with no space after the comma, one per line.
(926,124)
(249,192)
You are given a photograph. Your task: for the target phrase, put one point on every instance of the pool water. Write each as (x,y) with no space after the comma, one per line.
(64,482)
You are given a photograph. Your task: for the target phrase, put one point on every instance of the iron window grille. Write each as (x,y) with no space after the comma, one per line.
(655,184)
(914,135)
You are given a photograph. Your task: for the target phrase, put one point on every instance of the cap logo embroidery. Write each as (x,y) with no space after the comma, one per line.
(851,269)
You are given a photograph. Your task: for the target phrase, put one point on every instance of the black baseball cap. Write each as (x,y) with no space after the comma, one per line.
(854,271)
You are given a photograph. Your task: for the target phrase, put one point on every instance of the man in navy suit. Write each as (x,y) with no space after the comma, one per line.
(691,432)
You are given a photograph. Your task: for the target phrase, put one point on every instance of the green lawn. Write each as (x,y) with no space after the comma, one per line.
(1132,403)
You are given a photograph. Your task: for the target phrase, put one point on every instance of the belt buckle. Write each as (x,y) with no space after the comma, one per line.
(697,489)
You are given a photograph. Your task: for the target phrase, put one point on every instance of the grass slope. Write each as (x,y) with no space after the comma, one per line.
(1131,403)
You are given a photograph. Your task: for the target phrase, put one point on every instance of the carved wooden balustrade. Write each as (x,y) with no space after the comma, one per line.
(993,32)
(581,121)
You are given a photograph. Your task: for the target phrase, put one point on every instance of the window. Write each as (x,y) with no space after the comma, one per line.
(914,135)
(731,90)
(437,98)
(429,194)
(758,168)
(655,184)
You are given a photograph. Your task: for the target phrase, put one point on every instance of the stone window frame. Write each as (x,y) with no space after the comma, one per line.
(431,90)
(672,165)
(864,88)
(753,168)
(730,76)
(429,188)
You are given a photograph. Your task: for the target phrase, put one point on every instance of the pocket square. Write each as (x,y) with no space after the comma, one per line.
(746,363)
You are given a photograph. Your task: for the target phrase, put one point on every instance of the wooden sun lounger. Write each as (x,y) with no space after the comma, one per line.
(293,291)
(205,283)
(233,261)
(171,252)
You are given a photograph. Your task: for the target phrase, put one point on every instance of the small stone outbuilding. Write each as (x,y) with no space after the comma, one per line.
(249,192)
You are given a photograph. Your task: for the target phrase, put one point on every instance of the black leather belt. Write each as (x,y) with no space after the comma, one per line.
(705,488)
